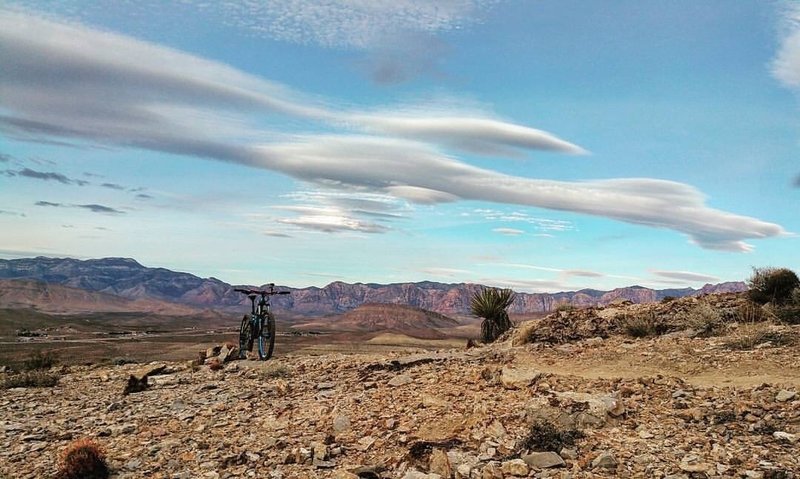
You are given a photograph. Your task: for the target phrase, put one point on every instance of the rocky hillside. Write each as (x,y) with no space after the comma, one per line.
(370,317)
(57,299)
(675,406)
(127,278)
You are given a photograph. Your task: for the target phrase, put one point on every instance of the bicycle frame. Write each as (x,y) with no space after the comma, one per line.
(260,325)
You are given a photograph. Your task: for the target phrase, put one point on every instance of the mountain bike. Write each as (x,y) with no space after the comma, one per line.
(259,324)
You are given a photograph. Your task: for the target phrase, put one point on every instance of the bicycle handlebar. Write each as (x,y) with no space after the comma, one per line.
(262,293)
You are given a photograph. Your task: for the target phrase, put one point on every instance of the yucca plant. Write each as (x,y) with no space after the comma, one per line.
(490,304)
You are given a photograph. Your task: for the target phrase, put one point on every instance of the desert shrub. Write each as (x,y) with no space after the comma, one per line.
(40,360)
(121,361)
(787,312)
(772,285)
(667,299)
(545,436)
(750,312)
(749,335)
(644,324)
(704,319)
(566,307)
(30,379)
(491,304)
(83,459)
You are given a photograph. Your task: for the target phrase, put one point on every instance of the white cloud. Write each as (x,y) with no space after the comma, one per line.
(445,272)
(786,65)
(508,231)
(356,24)
(684,276)
(62,81)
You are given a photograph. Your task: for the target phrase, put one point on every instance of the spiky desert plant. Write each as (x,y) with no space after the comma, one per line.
(772,285)
(83,459)
(490,304)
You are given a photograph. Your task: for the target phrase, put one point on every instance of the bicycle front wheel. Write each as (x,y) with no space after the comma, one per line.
(266,340)
(245,337)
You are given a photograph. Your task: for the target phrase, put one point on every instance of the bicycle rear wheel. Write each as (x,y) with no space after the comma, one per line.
(266,340)
(245,337)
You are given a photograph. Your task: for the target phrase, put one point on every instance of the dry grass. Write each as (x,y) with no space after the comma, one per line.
(30,379)
(704,319)
(643,324)
(750,335)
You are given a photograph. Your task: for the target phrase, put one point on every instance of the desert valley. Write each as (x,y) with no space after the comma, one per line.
(366,383)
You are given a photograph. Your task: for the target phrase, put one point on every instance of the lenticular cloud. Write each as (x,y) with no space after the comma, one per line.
(69,82)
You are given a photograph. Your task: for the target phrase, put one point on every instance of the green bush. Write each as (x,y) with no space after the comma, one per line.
(566,307)
(491,304)
(772,285)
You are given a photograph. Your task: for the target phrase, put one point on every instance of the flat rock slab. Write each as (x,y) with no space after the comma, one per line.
(543,460)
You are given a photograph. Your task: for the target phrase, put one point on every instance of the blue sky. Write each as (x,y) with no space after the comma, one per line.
(541,145)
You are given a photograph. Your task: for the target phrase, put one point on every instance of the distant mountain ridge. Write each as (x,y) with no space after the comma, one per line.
(127,278)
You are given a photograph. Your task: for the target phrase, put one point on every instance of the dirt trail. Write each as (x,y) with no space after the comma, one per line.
(700,362)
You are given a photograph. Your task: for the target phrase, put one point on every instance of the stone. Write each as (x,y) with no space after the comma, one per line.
(785,436)
(341,423)
(543,460)
(518,378)
(515,467)
(605,460)
(343,474)
(400,380)
(568,453)
(439,463)
(785,395)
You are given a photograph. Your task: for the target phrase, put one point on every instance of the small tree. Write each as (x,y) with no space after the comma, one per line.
(490,304)
(772,285)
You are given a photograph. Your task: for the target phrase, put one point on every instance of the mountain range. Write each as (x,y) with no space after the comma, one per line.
(126,278)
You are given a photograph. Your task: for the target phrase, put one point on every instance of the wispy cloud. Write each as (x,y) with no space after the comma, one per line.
(541,224)
(45,175)
(12,213)
(508,231)
(786,64)
(685,276)
(93,207)
(445,272)
(113,186)
(72,82)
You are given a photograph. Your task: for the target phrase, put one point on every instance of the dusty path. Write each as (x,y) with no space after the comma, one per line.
(701,362)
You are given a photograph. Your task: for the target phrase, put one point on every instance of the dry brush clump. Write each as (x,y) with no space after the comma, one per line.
(702,318)
(544,436)
(83,459)
(754,328)
(30,379)
(40,360)
(643,324)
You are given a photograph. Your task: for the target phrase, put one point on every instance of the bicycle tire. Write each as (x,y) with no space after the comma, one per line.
(266,340)
(245,337)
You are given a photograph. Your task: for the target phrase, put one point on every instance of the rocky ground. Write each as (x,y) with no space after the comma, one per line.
(672,406)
